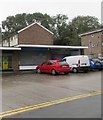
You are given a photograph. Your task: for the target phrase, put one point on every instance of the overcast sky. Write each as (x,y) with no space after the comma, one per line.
(71,8)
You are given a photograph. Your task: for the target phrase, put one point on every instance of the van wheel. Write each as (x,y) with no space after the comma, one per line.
(38,71)
(53,72)
(75,70)
(85,71)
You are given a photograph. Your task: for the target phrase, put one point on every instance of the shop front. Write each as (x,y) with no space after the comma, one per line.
(27,57)
(9,58)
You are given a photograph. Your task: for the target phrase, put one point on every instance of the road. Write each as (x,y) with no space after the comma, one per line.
(23,90)
(89,107)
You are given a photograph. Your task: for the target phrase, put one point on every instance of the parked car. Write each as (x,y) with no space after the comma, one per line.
(78,63)
(53,67)
(96,63)
(101,59)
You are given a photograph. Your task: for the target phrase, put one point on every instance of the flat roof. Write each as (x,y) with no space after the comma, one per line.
(87,33)
(53,46)
(9,48)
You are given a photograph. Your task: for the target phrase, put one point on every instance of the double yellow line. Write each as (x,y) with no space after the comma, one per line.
(27,108)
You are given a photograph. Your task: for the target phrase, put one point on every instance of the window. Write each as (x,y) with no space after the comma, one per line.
(92,35)
(64,60)
(11,38)
(50,63)
(62,63)
(102,43)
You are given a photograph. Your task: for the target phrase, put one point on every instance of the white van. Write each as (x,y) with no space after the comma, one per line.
(78,63)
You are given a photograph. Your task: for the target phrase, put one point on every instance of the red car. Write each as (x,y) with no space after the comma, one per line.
(53,67)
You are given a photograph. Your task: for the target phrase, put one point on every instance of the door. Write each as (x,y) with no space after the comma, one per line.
(7,62)
(44,67)
(49,66)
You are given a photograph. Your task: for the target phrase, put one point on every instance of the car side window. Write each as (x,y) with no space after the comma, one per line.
(50,63)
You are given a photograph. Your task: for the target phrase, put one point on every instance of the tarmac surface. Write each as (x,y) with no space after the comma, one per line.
(30,88)
(89,107)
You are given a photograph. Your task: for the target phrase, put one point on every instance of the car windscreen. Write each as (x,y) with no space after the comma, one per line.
(101,59)
(50,63)
(95,60)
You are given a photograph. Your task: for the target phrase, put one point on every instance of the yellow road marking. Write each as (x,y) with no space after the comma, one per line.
(27,108)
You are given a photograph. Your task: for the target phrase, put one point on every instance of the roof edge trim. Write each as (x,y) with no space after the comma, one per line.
(34,24)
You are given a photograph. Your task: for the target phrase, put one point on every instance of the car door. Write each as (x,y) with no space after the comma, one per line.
(44,67)
(49,66)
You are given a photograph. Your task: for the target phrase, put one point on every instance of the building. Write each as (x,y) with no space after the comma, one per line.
(32,34)
(31,46)
(94,41)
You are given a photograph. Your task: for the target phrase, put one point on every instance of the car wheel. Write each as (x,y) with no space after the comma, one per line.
(66,73)
(53,72)
(38,71)
(75,70)
(100,69)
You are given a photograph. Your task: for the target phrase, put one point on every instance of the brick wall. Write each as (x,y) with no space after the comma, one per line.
(93,41)
(37,35)
(15,61)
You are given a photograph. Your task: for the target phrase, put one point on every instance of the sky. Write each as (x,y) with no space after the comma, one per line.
(71,8)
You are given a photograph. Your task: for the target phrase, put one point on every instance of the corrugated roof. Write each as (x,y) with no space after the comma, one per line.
(53,46)
(34,24)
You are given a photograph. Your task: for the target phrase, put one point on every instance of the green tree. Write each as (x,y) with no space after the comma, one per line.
(82,24)
(61,30)
(13,24)
(64,33)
